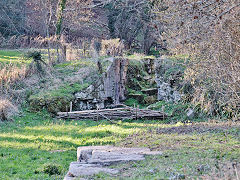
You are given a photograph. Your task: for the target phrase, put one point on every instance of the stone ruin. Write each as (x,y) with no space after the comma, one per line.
(109,89)
(92,160)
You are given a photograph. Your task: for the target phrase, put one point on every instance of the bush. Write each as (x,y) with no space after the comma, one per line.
(38,64)
(11,74)
(52,169)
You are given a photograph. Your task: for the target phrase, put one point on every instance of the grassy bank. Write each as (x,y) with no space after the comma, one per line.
(35,140)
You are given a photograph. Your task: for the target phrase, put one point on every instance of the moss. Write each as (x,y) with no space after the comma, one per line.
(55,100)
(136,74)
(133,103)
(150,99)
(138,57)
(169,107)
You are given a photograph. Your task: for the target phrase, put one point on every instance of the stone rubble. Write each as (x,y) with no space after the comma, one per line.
(166,92)
(190,113)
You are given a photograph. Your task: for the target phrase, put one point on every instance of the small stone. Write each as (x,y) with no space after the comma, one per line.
(90,89)
(190,113)
(81,95)
(152,171)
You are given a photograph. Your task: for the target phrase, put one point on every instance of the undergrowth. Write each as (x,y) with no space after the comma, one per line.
(55,100)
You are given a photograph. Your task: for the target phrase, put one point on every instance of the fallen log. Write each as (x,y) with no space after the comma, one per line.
(113,114)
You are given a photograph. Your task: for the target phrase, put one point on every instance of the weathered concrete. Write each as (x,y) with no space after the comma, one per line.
(108,150)
(77,169)
(95,159)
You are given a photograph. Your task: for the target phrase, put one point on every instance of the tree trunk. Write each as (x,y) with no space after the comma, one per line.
(64,52)
(61,7)
(148,41)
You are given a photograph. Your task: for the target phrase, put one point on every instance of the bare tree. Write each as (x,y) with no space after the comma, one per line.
(12,20)
(208,31)
(133,22)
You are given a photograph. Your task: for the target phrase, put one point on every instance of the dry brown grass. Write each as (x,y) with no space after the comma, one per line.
(10,74)
(226,171)
(7,109)
(113,47)
(10,77)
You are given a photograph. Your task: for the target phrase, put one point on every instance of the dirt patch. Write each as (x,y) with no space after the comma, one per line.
(199,128)
(225,136)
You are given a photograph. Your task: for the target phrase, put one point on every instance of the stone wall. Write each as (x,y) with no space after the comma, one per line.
(108,89)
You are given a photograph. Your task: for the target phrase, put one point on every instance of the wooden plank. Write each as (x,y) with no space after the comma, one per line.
(116,113)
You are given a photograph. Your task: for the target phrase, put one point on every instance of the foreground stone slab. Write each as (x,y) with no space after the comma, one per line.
(94,154)
(95,159)
(77,169)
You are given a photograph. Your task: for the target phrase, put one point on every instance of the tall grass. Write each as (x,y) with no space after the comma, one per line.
(11,74)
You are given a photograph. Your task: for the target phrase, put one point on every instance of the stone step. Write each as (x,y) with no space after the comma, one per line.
(77,169)
(95,159)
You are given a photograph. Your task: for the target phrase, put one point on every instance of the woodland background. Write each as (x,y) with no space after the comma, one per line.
(55,51)
(206,31)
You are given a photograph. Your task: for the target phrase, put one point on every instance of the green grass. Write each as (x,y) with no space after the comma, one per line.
(10,53)
(176,111)
(62,91)
(133,103)
(76,64)
(137,56)
(35,141)
(12,56)
(186,154)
